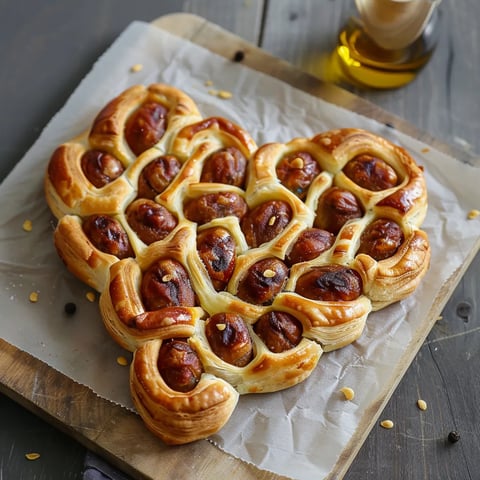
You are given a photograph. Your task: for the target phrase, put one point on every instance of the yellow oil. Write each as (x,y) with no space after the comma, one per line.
(359,61)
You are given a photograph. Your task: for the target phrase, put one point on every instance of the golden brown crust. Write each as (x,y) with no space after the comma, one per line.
(226,268)
(177,417)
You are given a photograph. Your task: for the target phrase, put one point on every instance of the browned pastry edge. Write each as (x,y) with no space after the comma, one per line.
(177,417)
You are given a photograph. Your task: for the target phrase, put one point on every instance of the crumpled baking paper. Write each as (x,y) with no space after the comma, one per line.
(301,432)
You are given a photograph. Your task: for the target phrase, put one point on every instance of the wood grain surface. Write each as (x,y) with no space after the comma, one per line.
(441,103)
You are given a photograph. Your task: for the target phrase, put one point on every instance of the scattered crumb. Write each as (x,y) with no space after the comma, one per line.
(425,150)
(473,214)
(225,94)
(422,404)
(348,393)
(136,68)
(213,92)
(440,317)
(386,424)
(33,297)
(208,83)
(32,456)
(27,225)
(91,297)
(122,361)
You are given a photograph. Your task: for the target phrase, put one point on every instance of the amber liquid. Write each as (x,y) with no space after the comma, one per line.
(358,60)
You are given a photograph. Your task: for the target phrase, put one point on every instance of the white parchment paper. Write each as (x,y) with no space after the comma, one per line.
(300,432)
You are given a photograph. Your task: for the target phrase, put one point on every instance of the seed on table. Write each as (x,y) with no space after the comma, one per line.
(422,404)
(386,424)
(32,456)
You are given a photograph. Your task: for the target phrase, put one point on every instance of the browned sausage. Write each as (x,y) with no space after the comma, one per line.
(371,173)
(149,220)
(146,126)
(265,222)
(100,168)
(216,248)
(157,175)
(381,239)
(229,338)
(166,284)
(263,281)
(309,245)
(227,165)
(336,207)
(108,235)
(330,283)
(179,365)
(207,207)
(296,172)
(280,331)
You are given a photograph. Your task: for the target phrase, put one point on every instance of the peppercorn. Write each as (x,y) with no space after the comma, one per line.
(239,56)
(70,308)
(453,437)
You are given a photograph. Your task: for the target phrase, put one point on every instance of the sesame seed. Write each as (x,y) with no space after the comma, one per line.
(221,326)
(386,424)
(268,273)
(136,68)
(90,296)
(27,225)
(422,404)
(33,297)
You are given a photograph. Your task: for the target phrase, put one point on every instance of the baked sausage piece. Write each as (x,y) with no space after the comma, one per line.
(157,175)
(227,165)
(336,207)
(108,235)
(309,245)
(330,283)
(150,221)
(100,168)
(265,222)
(179,365)
(371,173)
(279,331)
(296,172)
(165,284)
(216,248)
(229,338)
(263,281)
(381,239)
(207,207)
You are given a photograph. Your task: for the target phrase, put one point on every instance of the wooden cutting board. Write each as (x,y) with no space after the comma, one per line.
(119,435)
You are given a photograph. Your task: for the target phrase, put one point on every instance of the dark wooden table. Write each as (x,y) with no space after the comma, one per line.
(45,50)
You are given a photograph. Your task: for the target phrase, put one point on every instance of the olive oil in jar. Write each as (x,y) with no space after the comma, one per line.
(362,62)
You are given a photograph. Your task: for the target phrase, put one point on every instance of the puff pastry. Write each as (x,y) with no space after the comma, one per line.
(226,267)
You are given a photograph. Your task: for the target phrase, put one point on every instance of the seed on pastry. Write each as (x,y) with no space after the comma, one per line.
(145,127)
(179,365)
(227,165)
(149,220)
(381,239)
(279,331)
(263,281)
(330,283)
(296,172)
(166,284)
(229,338)
(265,222)
(100,168)
(157,175)
(335,208)
(371,173)
(108,235)
(309,245)
(207,207)
(216,248)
